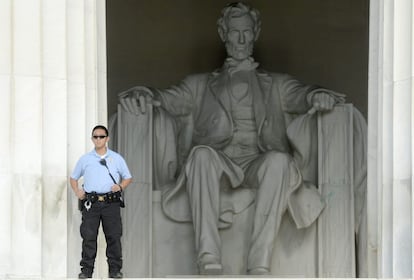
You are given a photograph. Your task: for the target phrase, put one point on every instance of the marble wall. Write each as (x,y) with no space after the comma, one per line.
(53,90)
(390,139)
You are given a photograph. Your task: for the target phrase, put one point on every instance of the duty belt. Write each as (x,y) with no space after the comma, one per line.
(101,197)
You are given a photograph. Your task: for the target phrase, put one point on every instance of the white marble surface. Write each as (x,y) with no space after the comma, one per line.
(390,139)
(46,114)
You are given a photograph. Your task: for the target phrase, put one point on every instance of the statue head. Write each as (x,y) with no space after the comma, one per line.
(239,28)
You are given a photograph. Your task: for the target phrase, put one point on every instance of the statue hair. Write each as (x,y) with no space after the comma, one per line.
(238,9)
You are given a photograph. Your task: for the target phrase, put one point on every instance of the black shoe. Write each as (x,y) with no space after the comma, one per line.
(84,275)
(116,275)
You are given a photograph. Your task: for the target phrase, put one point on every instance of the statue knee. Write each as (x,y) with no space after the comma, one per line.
(201,154)
(203,162)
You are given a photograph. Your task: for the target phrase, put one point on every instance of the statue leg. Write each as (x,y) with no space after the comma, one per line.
(203,171)
(271,175)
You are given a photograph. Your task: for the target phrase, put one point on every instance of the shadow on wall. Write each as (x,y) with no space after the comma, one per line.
(319,42)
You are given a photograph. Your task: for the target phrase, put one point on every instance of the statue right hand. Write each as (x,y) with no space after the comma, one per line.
(134,100)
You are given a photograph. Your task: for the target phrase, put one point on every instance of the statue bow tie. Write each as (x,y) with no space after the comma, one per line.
(233,65)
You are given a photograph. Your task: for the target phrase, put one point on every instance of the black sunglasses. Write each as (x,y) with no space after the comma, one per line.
(99,136)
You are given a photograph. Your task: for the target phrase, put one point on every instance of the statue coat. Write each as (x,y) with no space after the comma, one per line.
(204,98)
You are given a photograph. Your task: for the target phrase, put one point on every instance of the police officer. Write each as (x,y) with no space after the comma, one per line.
(105,175)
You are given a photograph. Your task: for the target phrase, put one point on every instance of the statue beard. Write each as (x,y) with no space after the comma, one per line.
(237,53)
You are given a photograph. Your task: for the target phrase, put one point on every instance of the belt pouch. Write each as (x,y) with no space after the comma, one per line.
(81,204)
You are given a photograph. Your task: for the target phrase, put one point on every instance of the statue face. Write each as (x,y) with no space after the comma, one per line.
(240,37)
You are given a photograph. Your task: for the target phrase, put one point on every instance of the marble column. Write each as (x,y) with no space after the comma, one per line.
(390,147)
(53,91)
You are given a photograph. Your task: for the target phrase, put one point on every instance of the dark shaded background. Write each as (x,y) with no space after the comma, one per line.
(158,42)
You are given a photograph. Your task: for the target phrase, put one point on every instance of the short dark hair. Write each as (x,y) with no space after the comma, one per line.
(100,127)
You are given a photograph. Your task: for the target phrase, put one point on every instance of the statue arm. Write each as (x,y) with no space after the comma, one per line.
(177,100)
(299,98)
(180,100)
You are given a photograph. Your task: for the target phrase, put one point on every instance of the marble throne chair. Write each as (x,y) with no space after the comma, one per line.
(333,158)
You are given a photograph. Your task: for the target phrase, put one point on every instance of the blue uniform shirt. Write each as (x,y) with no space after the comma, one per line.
(96,176)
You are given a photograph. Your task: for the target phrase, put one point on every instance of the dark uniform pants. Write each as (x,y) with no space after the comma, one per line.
(110,215)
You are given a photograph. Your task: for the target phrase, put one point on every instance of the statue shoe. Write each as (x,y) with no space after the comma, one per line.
(259,271)
(210,265)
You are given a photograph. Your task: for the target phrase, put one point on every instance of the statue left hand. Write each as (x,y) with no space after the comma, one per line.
(323,102)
